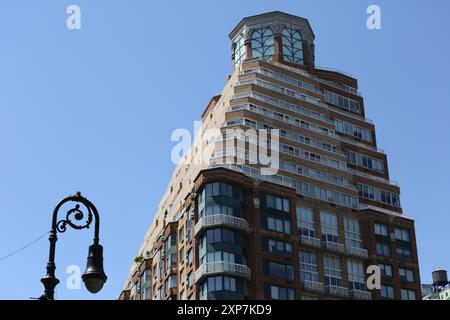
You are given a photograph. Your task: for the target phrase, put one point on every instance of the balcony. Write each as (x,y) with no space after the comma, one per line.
(221,220)
(310,242)
(337,291)
(357,252)
(333,246)
(222,267)
(313,286)
(360,294)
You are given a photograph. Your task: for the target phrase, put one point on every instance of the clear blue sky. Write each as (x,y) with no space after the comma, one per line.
(93,110)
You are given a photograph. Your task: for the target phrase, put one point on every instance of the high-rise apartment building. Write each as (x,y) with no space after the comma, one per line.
(308,229)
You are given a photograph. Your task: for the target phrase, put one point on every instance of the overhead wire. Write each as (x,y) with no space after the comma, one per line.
(24,247)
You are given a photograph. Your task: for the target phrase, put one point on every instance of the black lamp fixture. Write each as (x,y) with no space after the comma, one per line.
(94,277)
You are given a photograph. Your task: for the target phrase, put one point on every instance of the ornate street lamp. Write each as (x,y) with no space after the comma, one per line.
(94,277)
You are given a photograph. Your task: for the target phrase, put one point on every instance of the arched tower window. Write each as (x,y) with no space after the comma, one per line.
(239,51)
(262,43)
(292,46)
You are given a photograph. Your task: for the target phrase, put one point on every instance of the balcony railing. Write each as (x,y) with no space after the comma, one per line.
(222,267)
(373,177)
(313,286)
(333,246)
(336,291)
(310,242)
(336,85)
(357,252)
(218,220)
(360,294)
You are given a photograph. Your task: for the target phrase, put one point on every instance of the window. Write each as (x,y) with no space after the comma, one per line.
(216,189)
(353,130)
(226,190)
(217,256)
(262,43)
(202,246)
(277,247)
(305,222)
(203,291)
(159,265)
(292,46)
(279,270)
(404,254)
(239,51)
(171,282)
(356,276)
(388,198)
(229,284)
(222,235)
(277,203)
(276,224)
(213,209)
(160,294)
(212,200)
(364,161)
(146,282)
(308,266)
(182,277)
(278,293)
(333,271)
(408,294)
(386,270)
(366,192)
(332,196)
(213,189)
(313,173)
(189,230)
(189,280)
(342,102)
(308,140)
(289,106)
(181,256)
(383,249)
(171,251)
(402,234)
(378,195)
(351,157)
(250,123)
(381,230)
(189,256)
(219,283)
(406,274)
(387,292)
(135,291)
(352,233)
(329,227)
(181,234)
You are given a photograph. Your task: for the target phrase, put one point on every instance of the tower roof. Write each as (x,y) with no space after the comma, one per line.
(271,17)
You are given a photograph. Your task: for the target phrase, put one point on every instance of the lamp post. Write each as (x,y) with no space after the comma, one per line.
(94,277)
